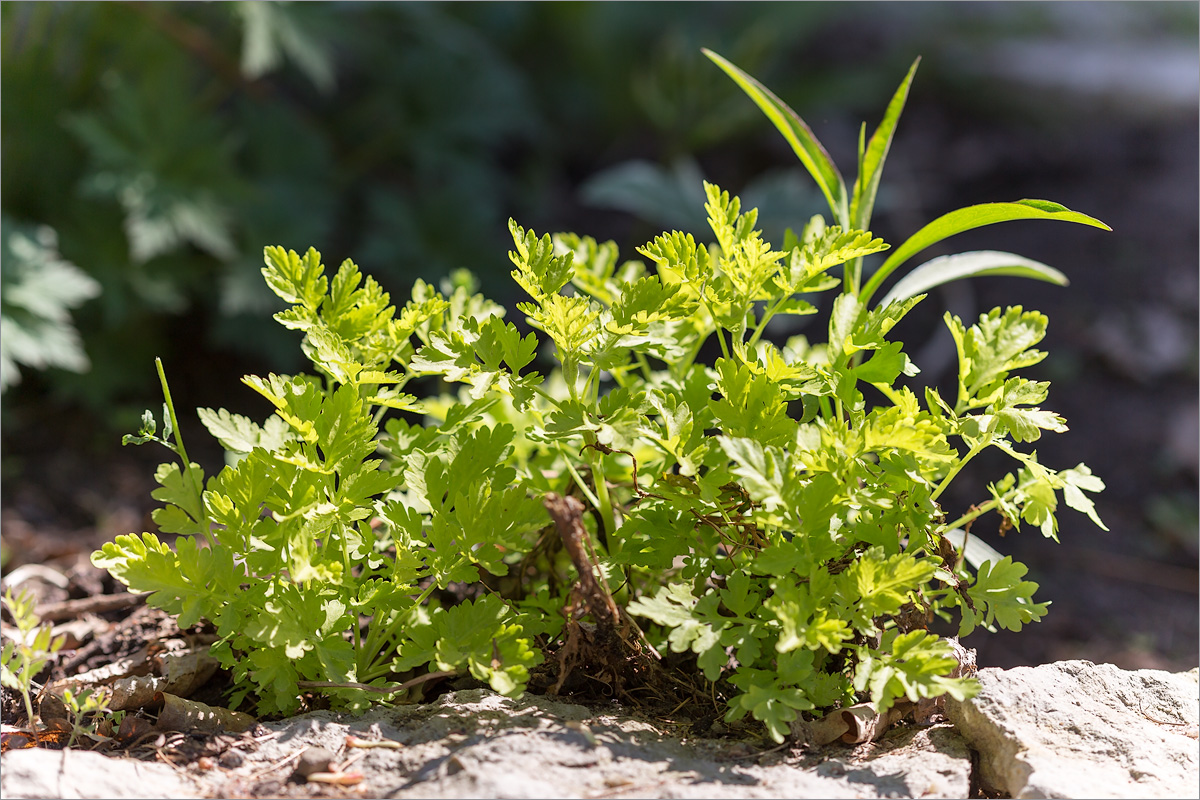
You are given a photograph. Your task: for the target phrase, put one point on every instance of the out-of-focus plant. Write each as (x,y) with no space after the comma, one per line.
(38,289)
(164,143)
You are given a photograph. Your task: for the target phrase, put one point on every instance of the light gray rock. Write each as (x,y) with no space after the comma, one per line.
(1072,729)
(476,743)
(37,774)
(1078,729)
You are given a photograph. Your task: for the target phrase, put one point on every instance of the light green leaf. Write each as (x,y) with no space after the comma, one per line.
(969,218)
(991,348)
(540,270)
(870,166)
(751,405)
(671,606)
(974,264)
(1077,481)
(241,434)
(874,585)
(885,365)
(1000,595)
(814,157)
(1027,424)
(299,281)
(917,666)
(762,469)
(184,510)
(772,705)
(807,616)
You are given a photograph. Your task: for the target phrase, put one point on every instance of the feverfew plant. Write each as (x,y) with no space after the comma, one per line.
(756,512)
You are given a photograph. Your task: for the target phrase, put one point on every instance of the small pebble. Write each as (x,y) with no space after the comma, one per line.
(314,759)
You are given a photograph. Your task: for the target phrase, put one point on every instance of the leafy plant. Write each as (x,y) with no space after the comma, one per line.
(23,659)
(40,288)
(743,497)
(83,709)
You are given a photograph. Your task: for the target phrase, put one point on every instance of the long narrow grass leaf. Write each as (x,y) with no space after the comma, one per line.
(871,167)
(810,151)
(970,265)
(969,218)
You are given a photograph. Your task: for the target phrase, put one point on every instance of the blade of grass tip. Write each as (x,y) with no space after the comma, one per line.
(810,151)
(965,219)
(871,169)
(976,263)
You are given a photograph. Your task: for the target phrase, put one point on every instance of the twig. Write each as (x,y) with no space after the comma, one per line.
(1191,732)
(387,744)
(96,604)
(393,689)
(276,765)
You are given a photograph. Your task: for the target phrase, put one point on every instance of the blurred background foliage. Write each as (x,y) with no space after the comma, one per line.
(151,150)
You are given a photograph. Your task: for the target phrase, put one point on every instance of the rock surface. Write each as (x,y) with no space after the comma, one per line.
(1078,729)
(38,774)
(1071,729)
(476,743)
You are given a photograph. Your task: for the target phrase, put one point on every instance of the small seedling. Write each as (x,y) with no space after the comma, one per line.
(24,658)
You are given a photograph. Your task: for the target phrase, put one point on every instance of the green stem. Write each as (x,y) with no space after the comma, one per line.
(345,548)
(980,510)
(681,368)
(375,644)
(974,451)
(570,373)
(595,501)
(596,459)
(721,341)
(647,374)
(162,377)
(549,398)
(973,514)
(182,451)
(826,408)
(853,276)
(762,323)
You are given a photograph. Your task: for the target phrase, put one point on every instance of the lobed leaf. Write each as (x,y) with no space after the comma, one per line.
(540,270)
(1001,596)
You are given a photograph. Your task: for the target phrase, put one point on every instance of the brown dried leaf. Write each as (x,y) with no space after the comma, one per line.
(187,715)
(130,684)
(852,725)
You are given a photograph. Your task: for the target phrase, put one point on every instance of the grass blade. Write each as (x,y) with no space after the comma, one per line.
(871,166)
(814,157)
(969,218)
(970,265)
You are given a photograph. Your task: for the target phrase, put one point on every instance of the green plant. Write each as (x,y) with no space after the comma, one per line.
(82,710)
(757,509)
(39,290)
(22,659)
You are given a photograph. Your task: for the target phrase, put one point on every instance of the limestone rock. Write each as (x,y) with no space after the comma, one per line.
(1078,729)
(37,774)
(475,743)
(1071,729)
